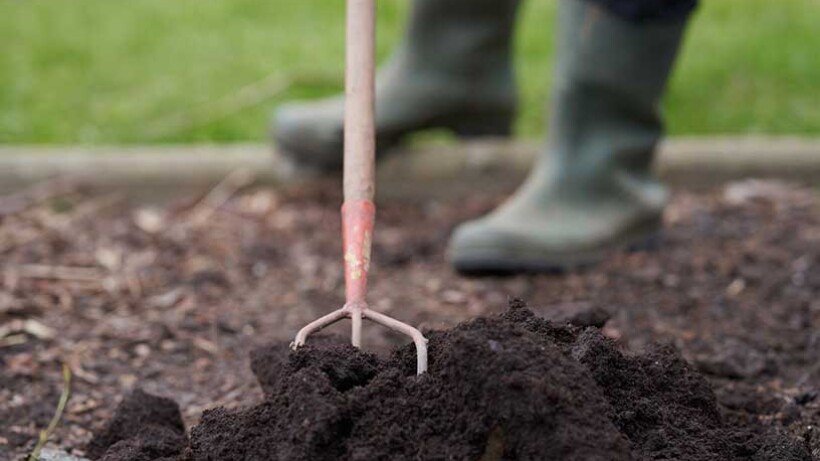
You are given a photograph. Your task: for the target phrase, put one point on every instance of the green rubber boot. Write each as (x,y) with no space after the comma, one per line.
(591,190)
(453,70)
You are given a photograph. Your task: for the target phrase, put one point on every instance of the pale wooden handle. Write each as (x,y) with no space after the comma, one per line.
(360,130)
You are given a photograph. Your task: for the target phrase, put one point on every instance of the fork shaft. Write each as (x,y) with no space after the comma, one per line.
(360,89)
(358,211)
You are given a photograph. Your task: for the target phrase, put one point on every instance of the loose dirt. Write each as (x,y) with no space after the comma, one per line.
(173,300)
(509,387)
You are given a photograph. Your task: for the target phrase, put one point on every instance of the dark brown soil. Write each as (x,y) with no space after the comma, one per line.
(509,387)
(144,427)
(173,299)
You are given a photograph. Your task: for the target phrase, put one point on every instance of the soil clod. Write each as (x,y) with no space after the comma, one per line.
(144,428)
(512,386)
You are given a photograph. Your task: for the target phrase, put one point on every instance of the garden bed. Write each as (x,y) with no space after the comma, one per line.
(174,299)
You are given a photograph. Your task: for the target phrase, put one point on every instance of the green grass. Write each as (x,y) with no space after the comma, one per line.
(117,71)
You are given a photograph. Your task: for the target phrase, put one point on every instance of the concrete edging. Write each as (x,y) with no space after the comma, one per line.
(690,162)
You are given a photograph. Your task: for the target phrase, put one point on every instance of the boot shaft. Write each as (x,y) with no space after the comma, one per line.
(462,37)
(597,48)
(609,80)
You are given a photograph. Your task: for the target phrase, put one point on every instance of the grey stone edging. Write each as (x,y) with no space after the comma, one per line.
(683,161)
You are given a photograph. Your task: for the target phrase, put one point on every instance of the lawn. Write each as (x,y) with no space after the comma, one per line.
(111,71)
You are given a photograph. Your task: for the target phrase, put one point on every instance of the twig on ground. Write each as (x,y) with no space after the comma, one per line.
(38,329)
(74,362)
(13,340)
(219,195)
(29,326)
(55,420)
(206,345)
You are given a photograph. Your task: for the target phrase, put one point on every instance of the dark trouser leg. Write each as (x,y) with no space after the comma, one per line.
(643,11)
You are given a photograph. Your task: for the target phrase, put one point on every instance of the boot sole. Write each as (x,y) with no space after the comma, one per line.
(494,262)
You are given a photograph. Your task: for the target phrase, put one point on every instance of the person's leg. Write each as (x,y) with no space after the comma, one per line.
(453,70)
(591,189)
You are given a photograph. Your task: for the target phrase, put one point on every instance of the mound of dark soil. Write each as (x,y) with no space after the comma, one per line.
(144,428)
(508,387)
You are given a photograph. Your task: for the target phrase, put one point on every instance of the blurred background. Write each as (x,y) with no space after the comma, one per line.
(150,237)
(159,71)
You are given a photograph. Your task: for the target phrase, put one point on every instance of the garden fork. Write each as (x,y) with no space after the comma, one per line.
(358,210)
